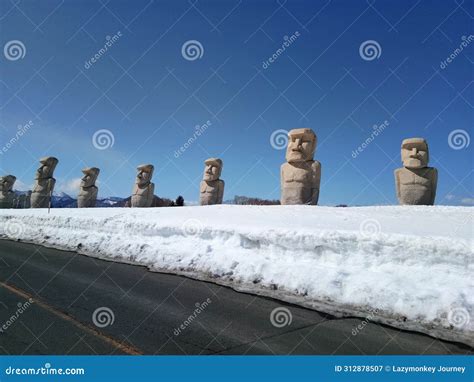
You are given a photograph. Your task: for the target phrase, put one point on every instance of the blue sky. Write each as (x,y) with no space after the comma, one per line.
(150,97)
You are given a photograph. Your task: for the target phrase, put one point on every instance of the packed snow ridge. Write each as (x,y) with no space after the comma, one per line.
(406,266)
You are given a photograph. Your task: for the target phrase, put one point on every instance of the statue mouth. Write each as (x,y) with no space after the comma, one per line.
(414,163)
(296,157)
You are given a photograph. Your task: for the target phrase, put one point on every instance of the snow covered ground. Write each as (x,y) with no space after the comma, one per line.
(409,267)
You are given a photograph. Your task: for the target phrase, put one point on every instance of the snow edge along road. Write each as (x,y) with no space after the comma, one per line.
(414,282)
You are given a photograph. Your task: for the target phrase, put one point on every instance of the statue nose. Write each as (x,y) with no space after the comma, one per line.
(414,152)
(298,144)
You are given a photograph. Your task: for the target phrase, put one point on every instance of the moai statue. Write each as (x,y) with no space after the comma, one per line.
(301,176)
(144,191)
(211,188)
(88,191)
(6,192)
(415,181)
(44,183)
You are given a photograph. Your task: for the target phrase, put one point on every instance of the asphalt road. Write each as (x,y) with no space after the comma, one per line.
(147,309)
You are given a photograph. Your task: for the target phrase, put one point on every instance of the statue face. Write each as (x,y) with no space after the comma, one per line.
(46,168)
(6,183)
(89,178)
(144,176)
(301,145)
(414,154)
(43,172)
(212,171)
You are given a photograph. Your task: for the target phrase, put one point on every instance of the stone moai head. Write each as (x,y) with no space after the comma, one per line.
(90,176)
(45,171)
(415,153)
(301,145)
(6,183)
(144,175)
(212,169)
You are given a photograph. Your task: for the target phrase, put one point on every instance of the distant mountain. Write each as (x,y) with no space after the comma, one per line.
(63,200)
(111,201)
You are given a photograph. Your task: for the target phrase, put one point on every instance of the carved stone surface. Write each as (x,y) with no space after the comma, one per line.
(143,191)
(87,196)
(6,191)
(211,188)
(416,182)
(44,183)
(301,175)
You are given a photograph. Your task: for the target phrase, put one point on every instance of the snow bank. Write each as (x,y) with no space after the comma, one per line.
(409,267)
